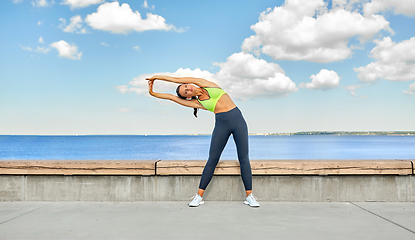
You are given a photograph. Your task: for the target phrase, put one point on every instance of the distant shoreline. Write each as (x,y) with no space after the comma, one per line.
(359,133)
(380,133)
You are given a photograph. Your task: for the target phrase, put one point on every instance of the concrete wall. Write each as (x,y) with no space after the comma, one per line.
(222,188)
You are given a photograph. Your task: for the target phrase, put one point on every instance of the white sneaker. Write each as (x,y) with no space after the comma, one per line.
(251,201)
(197,200)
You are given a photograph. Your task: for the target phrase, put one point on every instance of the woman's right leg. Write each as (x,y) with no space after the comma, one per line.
(218,142)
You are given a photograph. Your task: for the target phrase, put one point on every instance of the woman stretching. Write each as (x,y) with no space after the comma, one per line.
(229,120)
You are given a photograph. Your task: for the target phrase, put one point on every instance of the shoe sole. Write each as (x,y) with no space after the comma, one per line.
(202,202)
(247,203)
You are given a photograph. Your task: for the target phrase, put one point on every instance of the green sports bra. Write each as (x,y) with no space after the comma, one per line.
(215,94)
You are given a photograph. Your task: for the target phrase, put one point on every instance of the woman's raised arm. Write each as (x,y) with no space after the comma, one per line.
(198,81)
(187,103)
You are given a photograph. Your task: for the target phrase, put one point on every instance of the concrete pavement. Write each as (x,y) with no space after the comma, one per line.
(214,220)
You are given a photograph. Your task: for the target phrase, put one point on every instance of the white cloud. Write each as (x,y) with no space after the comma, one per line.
(121,19)
(137,48)
(145,5)
(352,90)
(181,29)
(394,61)
(245,65)
(39,49)
(41,40)
(42,50)
(75,26)
(42,3)
(138,90)
(405,7)
(17,1)
(81,3)
(324,80)
(123,88)
(66,50)
(104,44)
(411,89)
(124,110)
(308,30)
(26,48)
(243,76)
(39,23)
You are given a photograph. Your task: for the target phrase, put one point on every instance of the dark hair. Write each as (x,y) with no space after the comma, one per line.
(183,97)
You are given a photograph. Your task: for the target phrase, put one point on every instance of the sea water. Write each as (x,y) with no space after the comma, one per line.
(183,147)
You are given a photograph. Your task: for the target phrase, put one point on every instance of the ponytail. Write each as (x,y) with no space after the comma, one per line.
(182,97)
(195,109)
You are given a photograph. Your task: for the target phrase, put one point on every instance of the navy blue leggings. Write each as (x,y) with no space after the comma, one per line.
(227,123)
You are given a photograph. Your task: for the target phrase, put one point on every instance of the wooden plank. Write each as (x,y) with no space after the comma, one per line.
(77,167)
(195,167)
(331,167)
(413,167)
(291,167)
(190,167)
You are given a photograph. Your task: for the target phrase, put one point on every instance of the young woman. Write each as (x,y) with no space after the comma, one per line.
(229,120)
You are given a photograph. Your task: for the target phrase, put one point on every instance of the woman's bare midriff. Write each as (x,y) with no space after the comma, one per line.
(224,104)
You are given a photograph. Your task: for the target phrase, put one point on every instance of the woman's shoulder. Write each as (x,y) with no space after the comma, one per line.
(212,86)
(201,82)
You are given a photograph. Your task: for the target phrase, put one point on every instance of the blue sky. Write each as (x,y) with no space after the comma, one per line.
(78,66)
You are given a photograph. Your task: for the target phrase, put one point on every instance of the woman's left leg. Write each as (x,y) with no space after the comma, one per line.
(240,136)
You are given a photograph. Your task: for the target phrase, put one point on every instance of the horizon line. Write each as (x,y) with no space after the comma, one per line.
(198,134)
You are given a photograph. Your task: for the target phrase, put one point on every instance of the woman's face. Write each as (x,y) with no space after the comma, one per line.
(187,90)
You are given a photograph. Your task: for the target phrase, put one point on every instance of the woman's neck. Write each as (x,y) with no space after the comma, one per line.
(199,92)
